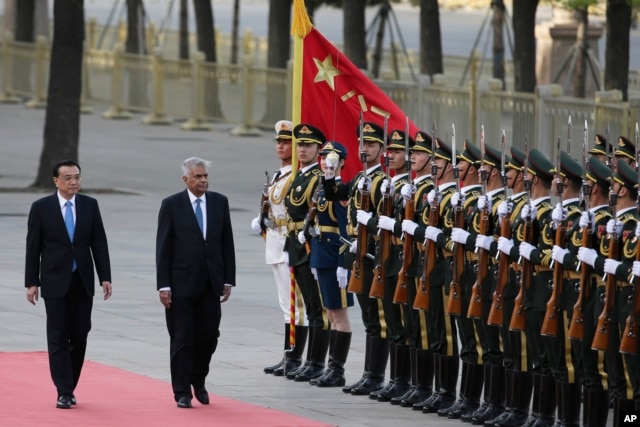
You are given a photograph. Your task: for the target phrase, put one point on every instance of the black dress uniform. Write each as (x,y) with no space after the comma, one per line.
(377,345)
(297,203)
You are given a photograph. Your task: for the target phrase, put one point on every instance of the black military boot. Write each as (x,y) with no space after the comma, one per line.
(535,405)
(319,348)
(271,368)
(413,355)
(335,372)
(467,417)
(622,404)
(392,373)
(446,396)
(332,346)
(293,357)
(568,404)
(508,400)
(444,412)
(403,373)
(596,408)
(436,385)
(472,391)
(291,373)
(365,373)
(522,390)
(547,402)
(424,379)
(377,367)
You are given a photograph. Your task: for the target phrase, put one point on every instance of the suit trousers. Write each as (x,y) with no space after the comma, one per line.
(68,325)
(193,325)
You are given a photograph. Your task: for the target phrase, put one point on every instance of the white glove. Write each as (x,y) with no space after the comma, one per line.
(587,218)
(587,255)
(528,212)
(431,197)
(354,247)
(331,165)
(610,266)
(255,225)
(365,180)
(558,254)
(457,198)
(526,249)
(315,273)
(385,186)
(459,235)
(386,223)
(558,215)
(636,268)
(505,245)
(363,216)
(638,230)
(342,275)
(409,226)
(484,242)
(408,191)
(432,233)
(614,226)
(503,209)
(301,238)
(484,201)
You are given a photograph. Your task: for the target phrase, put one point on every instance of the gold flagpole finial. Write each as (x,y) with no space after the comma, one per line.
(301,24)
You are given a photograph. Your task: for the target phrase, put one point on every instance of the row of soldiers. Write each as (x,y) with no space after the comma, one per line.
(460,262)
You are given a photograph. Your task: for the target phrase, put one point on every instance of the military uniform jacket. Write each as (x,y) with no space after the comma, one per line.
(297,203)
(331,221)
(517,202)
(628,245)
(424,185)
(571,278)
(277,236)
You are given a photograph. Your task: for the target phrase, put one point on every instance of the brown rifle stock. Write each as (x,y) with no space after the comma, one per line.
(496,313)
(356,284)
(422,295)
(550,323)
(310,219)
(454,303)
(601,336)
(576,326)
(629,341)
(400,295)
(475,304)
(384,242)
(518,317)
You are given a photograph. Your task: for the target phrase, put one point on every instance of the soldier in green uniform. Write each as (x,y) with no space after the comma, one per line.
(626,150)
(377,345)
(601,149)
(309,140)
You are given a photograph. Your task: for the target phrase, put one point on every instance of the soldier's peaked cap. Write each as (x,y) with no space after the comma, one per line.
(371,132)
(625,174)
(517,159)
(443,151)
(307,134)
(601,146)
(284,129)
(493,157)
(599,173)
(470,154)
(423,142)
(540,166)
(335,147)
(569,167)
(396,140)
(625,148)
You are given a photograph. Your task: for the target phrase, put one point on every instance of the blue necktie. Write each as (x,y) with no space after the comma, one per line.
(68,222)
(199,216)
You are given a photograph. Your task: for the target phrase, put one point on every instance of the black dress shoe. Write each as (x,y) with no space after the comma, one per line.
(63,402)
(184,402)
(72,399)
(202,395)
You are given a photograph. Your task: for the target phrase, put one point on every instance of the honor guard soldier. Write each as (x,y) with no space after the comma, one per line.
(463,204)
(434,283)
(327,261)
(592,226)
(272,223)
(626,151)
(564,353)
(377,345)
(601,149)
(309,140)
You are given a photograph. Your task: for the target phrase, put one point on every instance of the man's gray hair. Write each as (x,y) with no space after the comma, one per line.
(193,162)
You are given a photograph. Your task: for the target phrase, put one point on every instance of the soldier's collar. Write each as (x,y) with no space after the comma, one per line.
(396,178)
(597,208)
(569,201)
(496,191)
(539,200)
(467,188)
(624,211)
(306,168)
(515,196)
(446,185)
(421,178)
(373,169)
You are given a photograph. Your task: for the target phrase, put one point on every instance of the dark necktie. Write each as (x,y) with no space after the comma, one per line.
(199,215)
(68,222)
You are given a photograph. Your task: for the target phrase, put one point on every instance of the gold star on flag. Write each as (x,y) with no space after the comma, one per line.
(326,71)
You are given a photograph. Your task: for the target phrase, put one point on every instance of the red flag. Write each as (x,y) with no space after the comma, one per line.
(329,91)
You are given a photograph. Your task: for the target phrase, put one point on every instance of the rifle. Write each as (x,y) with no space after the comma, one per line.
(518,317)
(576,325)
(355,281)
(454,305)
(400,295)
(601,336)
(384,238)
(550,323)
(629,341)
(496,312)
(263,213)
(308,229)
(422,299)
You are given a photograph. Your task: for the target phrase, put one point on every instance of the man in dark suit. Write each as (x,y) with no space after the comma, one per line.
(65,236)
(196,268)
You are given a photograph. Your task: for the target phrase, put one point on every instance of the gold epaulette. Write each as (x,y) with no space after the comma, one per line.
(542,209)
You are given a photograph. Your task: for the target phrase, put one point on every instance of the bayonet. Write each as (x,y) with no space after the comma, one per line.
(407,154)
(454,161)
(569,137)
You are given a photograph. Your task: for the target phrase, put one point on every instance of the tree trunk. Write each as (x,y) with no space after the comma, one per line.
(498,41)
(62,118)
(354,32)
(616,57)
(234,32)
(25,21)
(183,32)
(135,44)
(580,76)
(207,45)
(430,38)
(524,55)
(278,52)
(383,19)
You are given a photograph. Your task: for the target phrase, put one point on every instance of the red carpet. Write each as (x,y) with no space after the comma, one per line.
(27,398)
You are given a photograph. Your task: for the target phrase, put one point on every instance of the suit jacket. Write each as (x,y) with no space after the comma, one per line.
(50,252)
(185,260)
